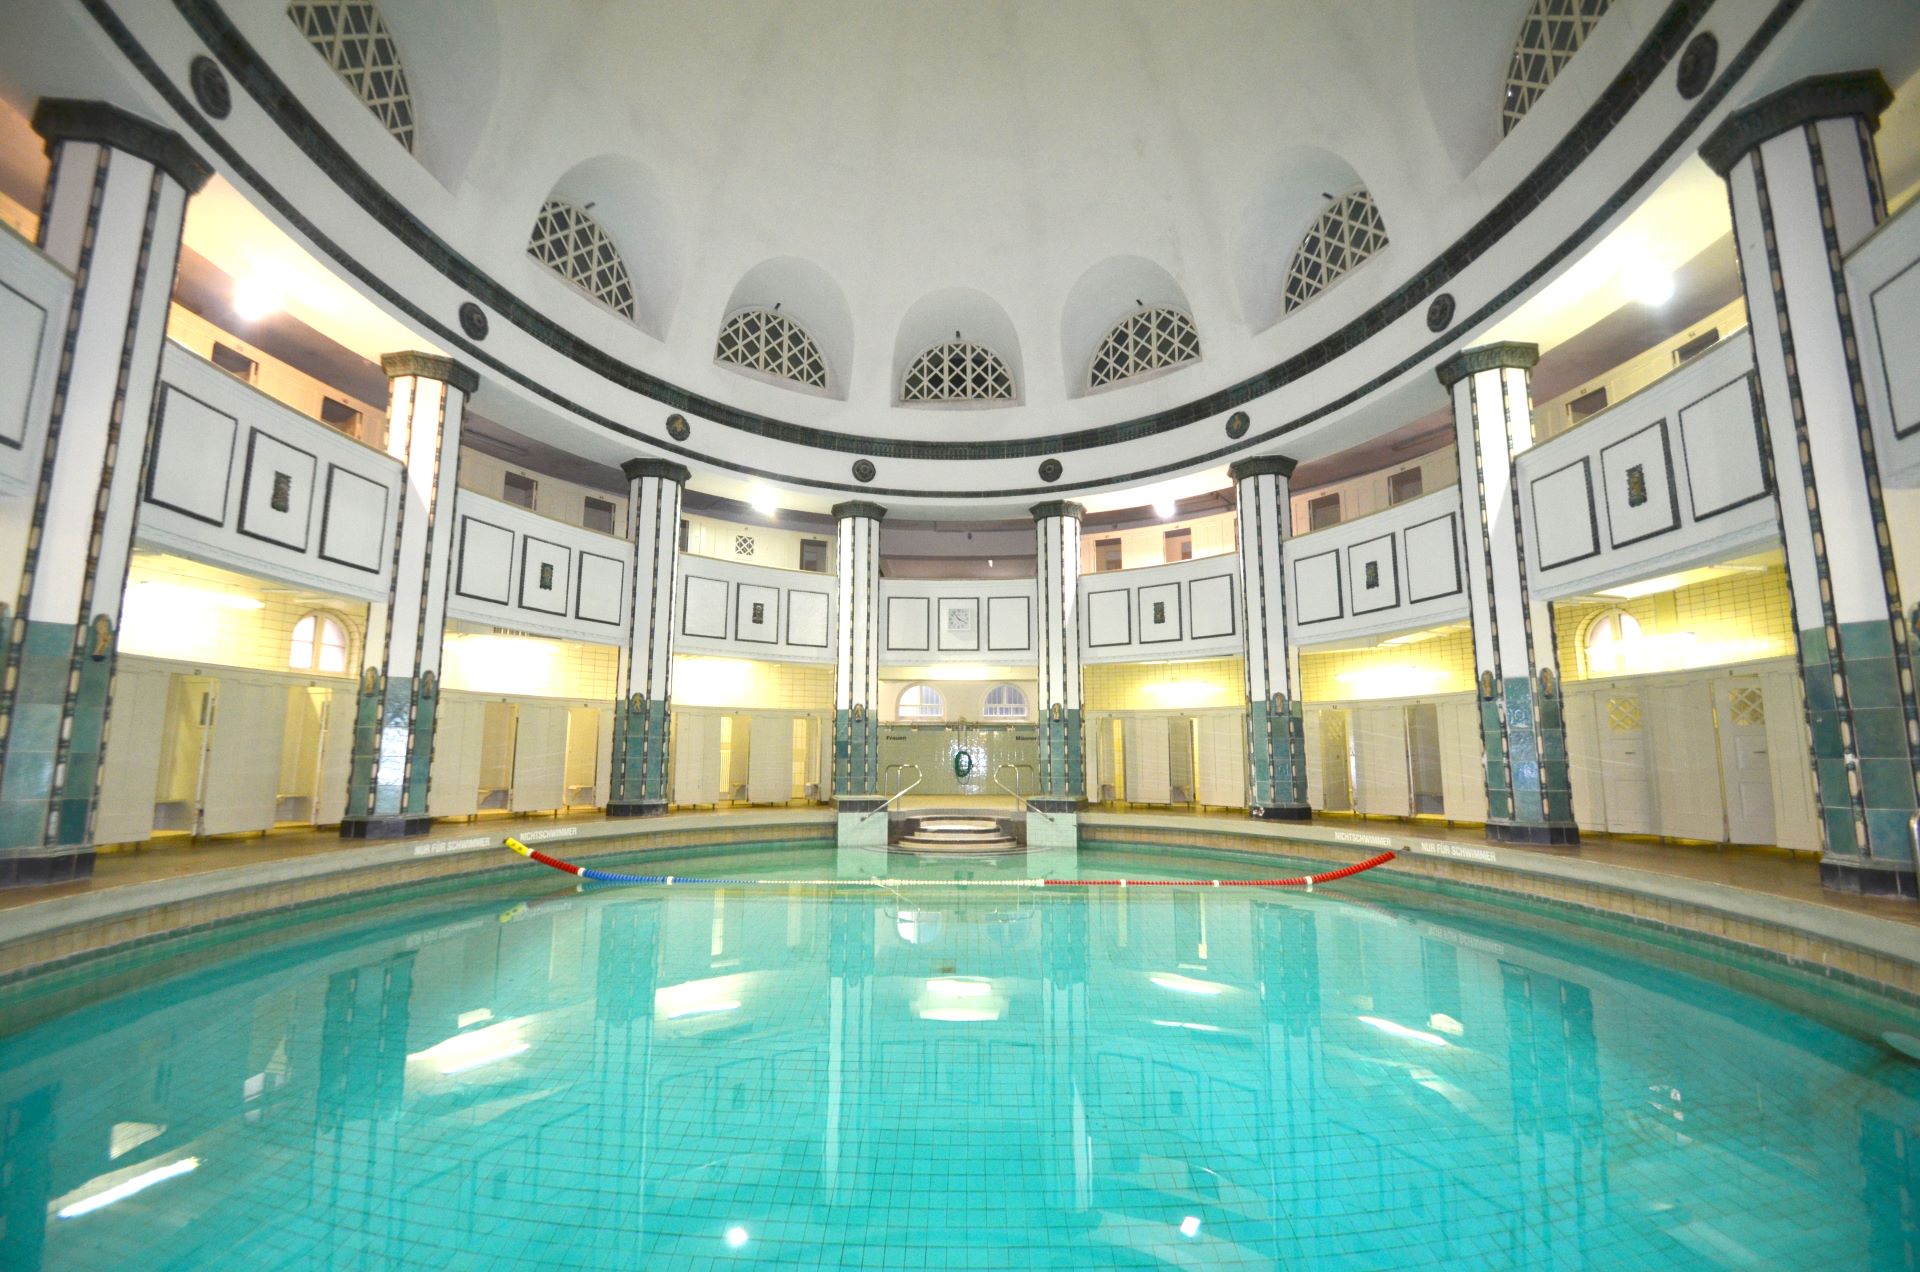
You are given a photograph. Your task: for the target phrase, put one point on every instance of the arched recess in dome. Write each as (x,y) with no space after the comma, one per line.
(1107,294)
(453,80)
(1300,182)
(1465,47)
(977,317)
(624,198)
(804,292)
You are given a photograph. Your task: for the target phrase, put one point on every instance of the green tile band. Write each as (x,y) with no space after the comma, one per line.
(1278,750)
(639,769)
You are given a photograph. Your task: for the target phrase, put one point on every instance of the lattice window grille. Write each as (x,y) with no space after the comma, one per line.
(354,39)
(957,371)
(1747,707)
(1623,715)
(1152,338)
(1550,35)
(771,343)
(1339,240)
(572,244)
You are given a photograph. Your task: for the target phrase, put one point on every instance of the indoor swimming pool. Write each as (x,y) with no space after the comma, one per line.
(529,1072)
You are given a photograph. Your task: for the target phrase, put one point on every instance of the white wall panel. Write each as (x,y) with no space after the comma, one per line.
(716,612)
(1394,570)
(519,570)
(1883,282)
(958,621)
(1185,609)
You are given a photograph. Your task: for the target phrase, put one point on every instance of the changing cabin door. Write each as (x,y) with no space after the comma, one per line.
(1149,778)
(130,775)
(336,756)
(1380,760)
(1740,703)
(1223,760)
(540,758)
(770,760)
(242,778)
(453,789)
(1686,759)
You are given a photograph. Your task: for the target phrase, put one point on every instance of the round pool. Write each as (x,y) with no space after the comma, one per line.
(528,1073)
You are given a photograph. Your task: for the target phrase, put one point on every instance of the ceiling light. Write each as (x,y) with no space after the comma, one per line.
(1647,282)
(764,500)
(256,296)
(736,1236)
(1165,509)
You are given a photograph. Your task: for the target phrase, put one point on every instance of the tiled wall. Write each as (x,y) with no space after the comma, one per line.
(1735,618)
(529,666)
(1147,545)
(180,609)
(703,681)
(1442,663)
(1164,686)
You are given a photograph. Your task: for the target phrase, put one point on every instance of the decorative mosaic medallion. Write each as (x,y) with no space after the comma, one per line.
(1440,312)
(1697,63)
(1238,424)
(210,87)
(863,470)
(1050,470)
(473,321)
(678,428)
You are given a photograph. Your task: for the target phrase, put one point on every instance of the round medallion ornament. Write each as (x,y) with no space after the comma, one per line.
(1440,312)
(473,321)
(210,87)
(678,428)
(1697,63)
(1050,470)
(863,470)
(1238,424)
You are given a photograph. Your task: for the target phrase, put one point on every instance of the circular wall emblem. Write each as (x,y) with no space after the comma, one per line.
(863,470)
(1050,470)
(210,87)
(1697,63)
(1440,312)
(473,321)
(678,428)
(1238,424)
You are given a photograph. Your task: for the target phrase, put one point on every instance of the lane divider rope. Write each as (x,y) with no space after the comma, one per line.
(668,881)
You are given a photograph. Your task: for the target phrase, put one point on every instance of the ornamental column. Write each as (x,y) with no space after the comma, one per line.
(638,784)
(400,676)
(856,667)
(115,202)
(1529,797)
(1063,779)
(1276,723)
(1804,181)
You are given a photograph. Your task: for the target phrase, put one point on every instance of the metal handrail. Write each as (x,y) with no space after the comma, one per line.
(1026,805)
(886,803)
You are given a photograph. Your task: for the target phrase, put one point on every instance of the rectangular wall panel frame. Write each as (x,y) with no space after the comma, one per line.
(1126,610)
(898,605)
(563,571)
(1585,465)
(1453,558)
(1026,624)
(1673,488)
(740,603)
(826,623)
(580,588)
(167,395)
(1193,607)
(1886,364)
(1393,573)
(686,606)
(1759,441)
(467,522)
(1339,588)
(255,436)
(326,519)
(940,633)
(1179,619)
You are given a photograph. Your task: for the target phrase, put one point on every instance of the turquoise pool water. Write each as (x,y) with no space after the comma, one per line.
(524,1075)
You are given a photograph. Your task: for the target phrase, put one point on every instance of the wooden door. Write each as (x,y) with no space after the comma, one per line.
(539,758)
(1686,758)
(242,779)
(1746,770)
(130,770)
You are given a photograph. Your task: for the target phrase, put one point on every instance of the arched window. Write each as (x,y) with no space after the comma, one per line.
(1340,239)
(1147,340)
(571,244)
(1006,702)
(1613,644)
(771,343)
(1550,34)
(354,39)
(922,702)
(957,371)
(319,644)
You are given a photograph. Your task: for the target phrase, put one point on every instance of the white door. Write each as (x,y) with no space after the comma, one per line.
(539,758)
(1180,758)
(603,768)
(770,760)
(1103,781)
(1621,723)
(242,776)
(453,787)
(336,755)
(1380,761)
(1796,816)
(1223,760)
(1312,720)
(583,755)
(130,771)
(1463,771)
(696,758)
(1686,758)
(1745,769)
(1584,768)
(1145,743)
